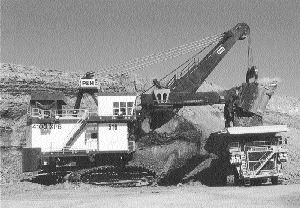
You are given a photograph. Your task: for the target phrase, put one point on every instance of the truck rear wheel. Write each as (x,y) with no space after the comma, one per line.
(274,180)
(247,182)
(256,182)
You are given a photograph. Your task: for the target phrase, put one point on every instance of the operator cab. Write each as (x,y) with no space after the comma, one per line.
(116,105)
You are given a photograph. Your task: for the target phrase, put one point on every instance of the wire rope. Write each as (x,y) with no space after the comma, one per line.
(176,69)
(140,60)
(162,56)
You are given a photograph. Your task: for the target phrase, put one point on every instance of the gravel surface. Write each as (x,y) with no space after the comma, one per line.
(193,195)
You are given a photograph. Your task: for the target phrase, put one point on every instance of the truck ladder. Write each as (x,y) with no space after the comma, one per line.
(74,133)
(263,160)
(243,166)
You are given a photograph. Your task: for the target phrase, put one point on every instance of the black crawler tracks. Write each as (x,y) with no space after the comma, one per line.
(125,176)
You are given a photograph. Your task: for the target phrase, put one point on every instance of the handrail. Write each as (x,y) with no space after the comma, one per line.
(188,67)
(262,161)
(71,112)
(185,69)
(74,113)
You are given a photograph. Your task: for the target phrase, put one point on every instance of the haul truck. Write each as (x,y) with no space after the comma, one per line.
(255,154)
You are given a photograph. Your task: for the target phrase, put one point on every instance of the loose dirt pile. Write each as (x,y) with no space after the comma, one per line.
(193,126)
(292,167)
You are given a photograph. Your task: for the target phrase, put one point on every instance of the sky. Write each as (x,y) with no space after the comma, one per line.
(89,35)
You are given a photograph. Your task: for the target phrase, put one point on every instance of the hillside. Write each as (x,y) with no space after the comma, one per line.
(190,127)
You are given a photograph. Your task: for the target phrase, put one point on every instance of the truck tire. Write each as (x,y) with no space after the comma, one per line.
(230,180)
(256,182)
(274,180)
(247,182)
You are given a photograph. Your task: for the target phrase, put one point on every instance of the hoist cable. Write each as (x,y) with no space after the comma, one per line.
(176,69)
(161,57)
(250,55)
(158,60)
(169,53)
(139,60)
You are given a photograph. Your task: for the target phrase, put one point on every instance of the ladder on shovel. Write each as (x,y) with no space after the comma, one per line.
(76,130)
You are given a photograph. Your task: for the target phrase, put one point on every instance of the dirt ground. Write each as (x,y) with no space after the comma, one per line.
(192,195)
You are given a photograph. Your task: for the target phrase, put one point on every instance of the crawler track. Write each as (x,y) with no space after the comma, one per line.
(126,176)
(115,176)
